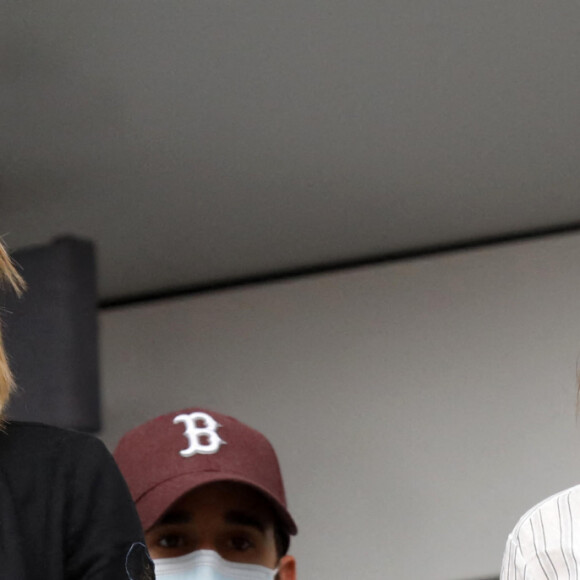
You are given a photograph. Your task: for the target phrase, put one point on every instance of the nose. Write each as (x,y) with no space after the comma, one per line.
(206,544)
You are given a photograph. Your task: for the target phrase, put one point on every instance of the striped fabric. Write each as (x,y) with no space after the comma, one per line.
(545,544)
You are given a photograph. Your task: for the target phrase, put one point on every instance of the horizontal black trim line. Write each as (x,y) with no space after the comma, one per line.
(180,292)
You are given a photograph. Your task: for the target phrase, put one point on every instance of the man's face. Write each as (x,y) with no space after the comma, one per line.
(231,519)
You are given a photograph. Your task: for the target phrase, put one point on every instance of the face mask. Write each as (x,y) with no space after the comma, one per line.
(209,565)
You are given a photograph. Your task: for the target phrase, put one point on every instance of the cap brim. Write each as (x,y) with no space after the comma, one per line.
(152,505)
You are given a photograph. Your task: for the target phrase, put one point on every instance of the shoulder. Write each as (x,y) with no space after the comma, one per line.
(36,443)
(39,432)
(565,503)
(549,525)
(542,544)
(22,435)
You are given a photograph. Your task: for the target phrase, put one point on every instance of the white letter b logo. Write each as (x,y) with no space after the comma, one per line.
(204,439)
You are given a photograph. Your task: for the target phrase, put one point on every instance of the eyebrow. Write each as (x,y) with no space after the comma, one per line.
(236,517)
(244,519)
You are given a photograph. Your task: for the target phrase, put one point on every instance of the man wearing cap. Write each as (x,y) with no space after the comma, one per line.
(210,496)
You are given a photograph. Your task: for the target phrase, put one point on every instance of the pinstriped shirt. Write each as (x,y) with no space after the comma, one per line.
(545,544)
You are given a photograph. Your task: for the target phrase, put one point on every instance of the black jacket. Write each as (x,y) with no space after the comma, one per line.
(65,510)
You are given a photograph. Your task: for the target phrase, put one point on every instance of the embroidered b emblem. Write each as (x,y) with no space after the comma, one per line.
(205,439)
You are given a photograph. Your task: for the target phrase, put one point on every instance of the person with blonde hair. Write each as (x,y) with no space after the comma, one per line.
(10,278)
(65,510)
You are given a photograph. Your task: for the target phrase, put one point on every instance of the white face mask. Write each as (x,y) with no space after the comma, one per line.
(209,565)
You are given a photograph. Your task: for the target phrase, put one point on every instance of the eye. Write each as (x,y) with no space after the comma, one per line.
(241,543)
(171,541)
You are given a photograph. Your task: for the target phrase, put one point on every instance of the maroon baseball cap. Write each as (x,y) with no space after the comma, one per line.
(175,453)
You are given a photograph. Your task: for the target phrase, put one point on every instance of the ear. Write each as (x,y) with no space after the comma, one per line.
(287,568)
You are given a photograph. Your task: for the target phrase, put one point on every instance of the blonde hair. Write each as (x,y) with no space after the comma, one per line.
(11,279)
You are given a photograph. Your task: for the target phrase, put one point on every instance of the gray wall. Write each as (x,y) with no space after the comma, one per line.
(418,408)
(206,140)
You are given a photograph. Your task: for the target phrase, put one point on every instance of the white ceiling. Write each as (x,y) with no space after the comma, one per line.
(202,140)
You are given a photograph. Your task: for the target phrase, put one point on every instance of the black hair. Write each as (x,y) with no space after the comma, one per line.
(281,537)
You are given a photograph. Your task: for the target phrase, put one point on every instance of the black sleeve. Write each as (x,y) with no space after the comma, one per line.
(104,539)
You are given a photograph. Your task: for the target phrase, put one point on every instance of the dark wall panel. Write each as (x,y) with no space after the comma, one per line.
(51,336)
